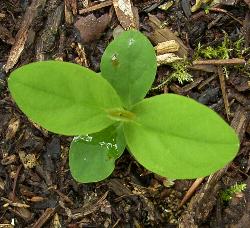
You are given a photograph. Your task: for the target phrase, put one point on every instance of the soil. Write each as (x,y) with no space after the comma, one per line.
(36,187)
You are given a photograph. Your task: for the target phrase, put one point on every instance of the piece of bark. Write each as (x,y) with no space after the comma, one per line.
(91,28)
(70,10)
(126,13)
(13,127)
(166,47)
(203,202)
(47,36)
(165,34)
(22,36)
(167,59)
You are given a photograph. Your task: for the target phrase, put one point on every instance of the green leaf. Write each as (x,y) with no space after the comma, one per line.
(178,138)
(92,157)
(129,64)
(64,98)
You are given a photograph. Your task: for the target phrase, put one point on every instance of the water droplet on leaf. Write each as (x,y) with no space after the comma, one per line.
(131,41)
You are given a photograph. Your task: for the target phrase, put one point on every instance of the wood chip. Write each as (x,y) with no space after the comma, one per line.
(2,15)
(2,184)
(96,7)
(22,36)
(166,47)
(14,204)
(36,199)
(91,28)
(13,127)
(126,13)
(165,34)
(47,36)
(56,222)
(167,58)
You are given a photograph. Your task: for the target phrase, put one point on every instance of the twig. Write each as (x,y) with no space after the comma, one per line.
(96,7)
(14,204)
(44,218)
(191,190)
(234,61)
(223,90)
(15,182)
(218,10)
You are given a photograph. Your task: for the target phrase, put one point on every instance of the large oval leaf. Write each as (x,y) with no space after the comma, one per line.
(92,157)
(62,97)
(129,64)
(178,138)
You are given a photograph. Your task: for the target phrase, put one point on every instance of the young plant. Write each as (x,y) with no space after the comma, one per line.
(171,135)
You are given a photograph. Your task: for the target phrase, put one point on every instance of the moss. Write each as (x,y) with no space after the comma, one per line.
(180,72)
(227,194)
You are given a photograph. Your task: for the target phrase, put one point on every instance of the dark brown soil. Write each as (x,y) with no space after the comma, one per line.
(36,187)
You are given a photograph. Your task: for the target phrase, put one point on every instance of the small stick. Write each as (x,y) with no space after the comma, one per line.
(96,7)
(191,190)
(14,204)
(15,183)
(219,10)
(223,90)
(44,218)
(234,61)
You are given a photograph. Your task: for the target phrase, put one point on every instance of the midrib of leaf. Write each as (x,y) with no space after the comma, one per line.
(80,103)
(160,131)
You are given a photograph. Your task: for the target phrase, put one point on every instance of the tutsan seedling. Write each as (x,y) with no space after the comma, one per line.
(168,134)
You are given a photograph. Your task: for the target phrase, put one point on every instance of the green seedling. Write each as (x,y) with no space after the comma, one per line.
(228,194)
(168,134)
